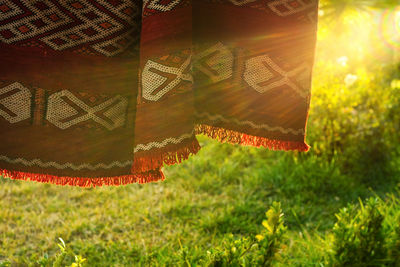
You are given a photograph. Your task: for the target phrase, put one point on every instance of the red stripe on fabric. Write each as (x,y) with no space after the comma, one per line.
(230,23)
(166,32)
(64,70)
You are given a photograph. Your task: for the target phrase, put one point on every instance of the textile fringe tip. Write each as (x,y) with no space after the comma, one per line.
(234,137)
(141,178)
(155,160)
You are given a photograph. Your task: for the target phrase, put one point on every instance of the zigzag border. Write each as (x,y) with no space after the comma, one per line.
(252,124)
(171,140)
(38,162)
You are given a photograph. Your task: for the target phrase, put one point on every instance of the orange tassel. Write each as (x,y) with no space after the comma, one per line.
(140,178)
(155,160)
(234,137)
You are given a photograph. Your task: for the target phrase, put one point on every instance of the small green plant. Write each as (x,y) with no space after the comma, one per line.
(270,240)
(61,255)
(78,261)
(233,252)
(358,235)
(183,255)
(391,210)
(262,250)
(393,245)
(59,259)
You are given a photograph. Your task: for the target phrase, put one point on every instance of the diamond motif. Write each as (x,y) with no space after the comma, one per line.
(162,5)
(58,41)
(23,28)
(15,103)
(4,8)
(38,23)
(77,5)
(263,74)
(105,25)
(216,62)
(66,24)
(289,7)
(89,31)
(158,79)
(41,5)
(66,110)
(7,34)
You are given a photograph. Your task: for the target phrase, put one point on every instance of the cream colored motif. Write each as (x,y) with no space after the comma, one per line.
(12,10)
(252,124)
(290,7)
(86,23)
(15,103)
(158,79)
(66,110)
(216,62)
(263,74)
(38,162)
(32,29)
(171,140)
(177,140)
(242,2)
(156,5)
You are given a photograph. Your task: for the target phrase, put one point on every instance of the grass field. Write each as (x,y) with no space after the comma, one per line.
(225,189)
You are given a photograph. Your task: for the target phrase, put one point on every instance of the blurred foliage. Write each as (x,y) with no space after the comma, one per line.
(354,117)
(335,8)
(264,249)
(358,237)
(367,234)
(356,124)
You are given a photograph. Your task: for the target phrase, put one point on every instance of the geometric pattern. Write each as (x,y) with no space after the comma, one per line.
(65,110)
(151,7)
(217,117)
(241,2)
(38,162)
(61,25)
(282,8)
(9,9)
(263,74)
(289,7)
(251,124)
(15,103)
(157,5)
(171,140)
(159,79)
(216,62)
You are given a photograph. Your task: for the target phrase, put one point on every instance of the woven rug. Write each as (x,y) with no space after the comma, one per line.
(107,92)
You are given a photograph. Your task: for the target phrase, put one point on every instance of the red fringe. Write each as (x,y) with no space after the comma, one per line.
(140,178)
(234,137)
(146,166)
(155,160)
(176,154)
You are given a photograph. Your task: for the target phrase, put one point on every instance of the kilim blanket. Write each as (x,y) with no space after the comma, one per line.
(107,92)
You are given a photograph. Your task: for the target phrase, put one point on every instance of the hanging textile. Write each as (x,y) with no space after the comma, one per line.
(107,92)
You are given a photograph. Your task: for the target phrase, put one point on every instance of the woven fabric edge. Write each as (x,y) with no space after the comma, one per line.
(141,178)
